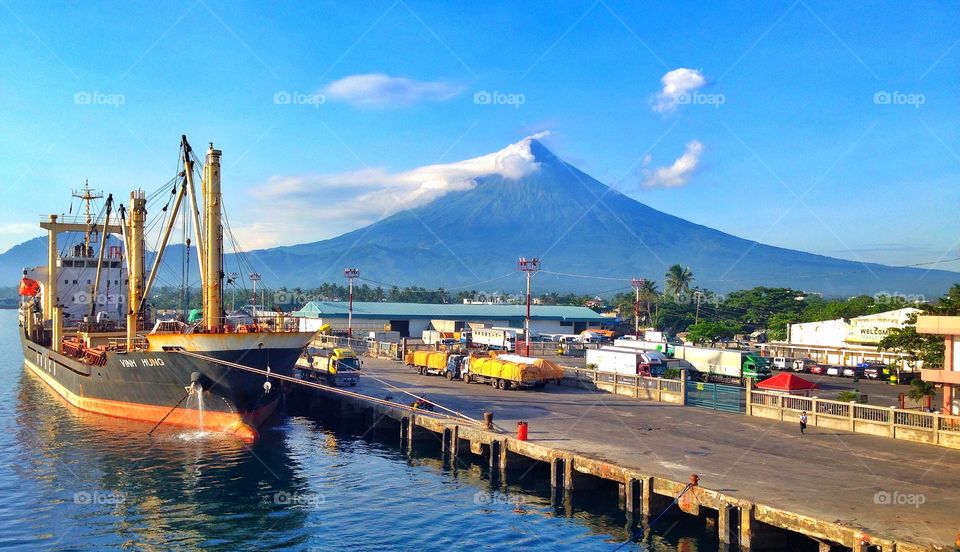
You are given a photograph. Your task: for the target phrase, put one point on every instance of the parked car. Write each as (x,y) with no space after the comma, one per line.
(834,370)
(803,364)
(854,371)
(782,363)
(872,370)
(818,369)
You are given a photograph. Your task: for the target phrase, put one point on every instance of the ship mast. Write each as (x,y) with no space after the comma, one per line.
(135,258)
(87,196)
(212,242)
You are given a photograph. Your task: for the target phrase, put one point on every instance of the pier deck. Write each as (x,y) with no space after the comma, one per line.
(826,476)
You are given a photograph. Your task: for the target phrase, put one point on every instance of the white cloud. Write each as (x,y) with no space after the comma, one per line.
(679,172)
(335,203)
(677,85)
(379,90)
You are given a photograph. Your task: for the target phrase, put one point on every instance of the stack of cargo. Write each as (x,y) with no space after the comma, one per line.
(512,371)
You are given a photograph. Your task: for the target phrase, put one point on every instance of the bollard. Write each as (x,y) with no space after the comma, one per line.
(521,431)
(488,420)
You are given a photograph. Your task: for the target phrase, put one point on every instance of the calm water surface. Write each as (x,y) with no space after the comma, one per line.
(76,481)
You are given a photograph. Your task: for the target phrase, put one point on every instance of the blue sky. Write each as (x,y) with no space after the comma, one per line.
(822,126)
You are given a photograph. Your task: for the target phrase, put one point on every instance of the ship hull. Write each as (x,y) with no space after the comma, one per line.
(147,386)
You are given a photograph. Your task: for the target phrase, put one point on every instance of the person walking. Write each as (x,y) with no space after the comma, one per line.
(803,421)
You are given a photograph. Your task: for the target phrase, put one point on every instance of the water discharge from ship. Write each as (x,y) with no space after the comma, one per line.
(195,404)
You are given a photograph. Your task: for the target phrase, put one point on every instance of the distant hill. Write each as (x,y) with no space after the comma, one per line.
(574,223)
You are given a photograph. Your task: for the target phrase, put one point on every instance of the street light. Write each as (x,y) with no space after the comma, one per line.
(254,277)
(637,284)
(351,274)
(529,266)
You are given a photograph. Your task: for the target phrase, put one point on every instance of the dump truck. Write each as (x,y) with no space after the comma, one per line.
(510,371)
(725,365)
(337,367)
(628,361)
(437,363)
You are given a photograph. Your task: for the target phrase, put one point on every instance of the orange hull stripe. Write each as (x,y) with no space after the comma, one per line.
(225,422)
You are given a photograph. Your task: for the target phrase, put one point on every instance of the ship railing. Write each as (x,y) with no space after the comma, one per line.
(120,343)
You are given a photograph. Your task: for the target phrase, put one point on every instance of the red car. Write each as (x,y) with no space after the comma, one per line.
(818,369)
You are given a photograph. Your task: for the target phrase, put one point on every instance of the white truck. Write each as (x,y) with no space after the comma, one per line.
(643,344)
(503,339)
(431,337)
(628,361)
(383,335)
(725,365)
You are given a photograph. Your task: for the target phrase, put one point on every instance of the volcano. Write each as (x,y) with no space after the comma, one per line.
(575,224)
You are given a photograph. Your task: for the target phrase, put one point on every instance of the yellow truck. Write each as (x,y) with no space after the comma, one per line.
(338,367)
(510,371)
(432,362)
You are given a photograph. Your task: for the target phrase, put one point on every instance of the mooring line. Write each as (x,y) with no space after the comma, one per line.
(313,385)
(176,406)
(394,387)
(634,536)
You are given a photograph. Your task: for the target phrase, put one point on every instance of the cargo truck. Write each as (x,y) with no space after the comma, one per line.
(725,365)
(664,347)
(503,339)
(627,361)
(336,367)
(437,363)
(510,371)
(431,337)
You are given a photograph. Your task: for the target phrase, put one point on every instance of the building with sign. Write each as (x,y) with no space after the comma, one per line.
(843,342)
(947,375)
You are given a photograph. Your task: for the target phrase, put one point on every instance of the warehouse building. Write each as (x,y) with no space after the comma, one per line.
(411,319)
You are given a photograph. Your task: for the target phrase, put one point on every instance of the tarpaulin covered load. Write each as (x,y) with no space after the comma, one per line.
(548,369)
(536,371)
(430,359)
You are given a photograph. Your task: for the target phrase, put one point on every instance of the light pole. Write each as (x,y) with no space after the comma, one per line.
(350,273)
(697,295)
(232,280)
(637,284)
(254,277)
(529,266)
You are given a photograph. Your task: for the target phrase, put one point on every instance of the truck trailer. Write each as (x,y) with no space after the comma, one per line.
(502,339)
(510,371)
(627,361)
(725,365)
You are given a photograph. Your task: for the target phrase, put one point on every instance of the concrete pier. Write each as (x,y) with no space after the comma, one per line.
(762,486)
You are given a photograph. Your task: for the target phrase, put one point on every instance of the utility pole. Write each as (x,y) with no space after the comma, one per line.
(529,266)
(697,295)
(254,277)
(637,284)
(351,274)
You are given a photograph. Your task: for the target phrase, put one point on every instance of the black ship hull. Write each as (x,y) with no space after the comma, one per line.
(148,385)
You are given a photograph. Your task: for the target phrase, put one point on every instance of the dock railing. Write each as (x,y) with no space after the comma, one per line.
(896,423)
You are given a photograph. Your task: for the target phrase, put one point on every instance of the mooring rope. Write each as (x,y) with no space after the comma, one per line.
(440,406)
(176,406)
(635,535)
(320,386)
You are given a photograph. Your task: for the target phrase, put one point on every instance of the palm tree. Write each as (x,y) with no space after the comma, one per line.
(677,280)
(648,297)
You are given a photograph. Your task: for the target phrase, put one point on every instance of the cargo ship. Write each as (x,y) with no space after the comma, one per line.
(88,331)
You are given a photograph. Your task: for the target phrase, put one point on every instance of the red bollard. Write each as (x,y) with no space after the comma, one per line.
(521,431)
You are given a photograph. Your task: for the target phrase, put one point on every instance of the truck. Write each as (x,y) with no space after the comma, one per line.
(665,347)
(503,339)
(628,361)
(431,337)
(725,365)
(509,371)
(436,363)
(337,367)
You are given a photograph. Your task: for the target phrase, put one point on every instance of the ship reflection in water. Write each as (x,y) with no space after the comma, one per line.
(75,479)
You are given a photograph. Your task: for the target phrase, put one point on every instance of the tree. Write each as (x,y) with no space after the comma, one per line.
(711,332)
(921,390)
(923,347)
(677,280)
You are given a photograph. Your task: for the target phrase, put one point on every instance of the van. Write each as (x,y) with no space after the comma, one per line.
(782,363)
